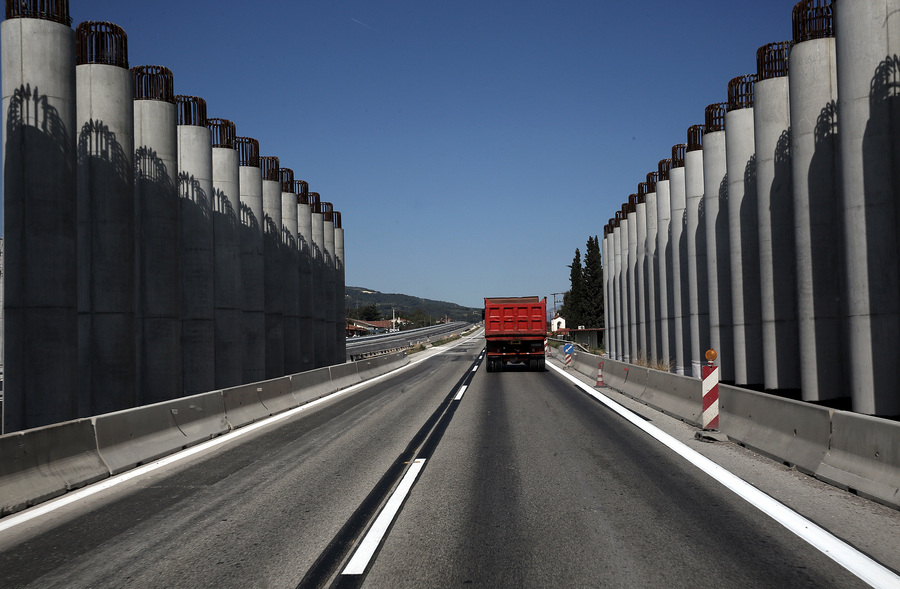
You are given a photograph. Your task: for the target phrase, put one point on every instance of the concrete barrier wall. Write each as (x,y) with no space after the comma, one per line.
(251,402)
(785,430)
(848,450)
(864,457)
(344,375)
(42,463)
(679,396)
(314,384)
(136,436)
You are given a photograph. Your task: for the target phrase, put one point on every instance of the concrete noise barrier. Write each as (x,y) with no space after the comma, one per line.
(136,436)
(864,457)
(45,462)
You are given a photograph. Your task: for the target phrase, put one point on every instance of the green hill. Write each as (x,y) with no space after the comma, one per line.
(406,305)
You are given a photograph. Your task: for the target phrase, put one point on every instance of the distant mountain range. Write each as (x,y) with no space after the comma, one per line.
(406,304)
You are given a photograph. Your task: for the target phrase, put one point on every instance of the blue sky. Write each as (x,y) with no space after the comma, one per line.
(471,146)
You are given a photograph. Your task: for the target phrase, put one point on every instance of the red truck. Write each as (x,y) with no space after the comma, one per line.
(515,329)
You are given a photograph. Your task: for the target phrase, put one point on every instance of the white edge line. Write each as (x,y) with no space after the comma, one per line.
(462,391)
(864,567)
(52,505)
(376,533)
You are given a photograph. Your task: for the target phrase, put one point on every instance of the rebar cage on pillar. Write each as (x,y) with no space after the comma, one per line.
(191,110)
(52,10)
(652,179)
(222,132)
(678,155)
(740,92)
(248,151)
(664,167)
(695,137)
(772,60)
(153,82)
(715,117)
(813,19)
(286,177)
(270,167)
(98,42)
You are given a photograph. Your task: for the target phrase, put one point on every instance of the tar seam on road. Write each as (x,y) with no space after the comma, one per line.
(861,565)
(365,517)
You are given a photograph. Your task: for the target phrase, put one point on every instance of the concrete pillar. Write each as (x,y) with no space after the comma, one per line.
(633,320)
(340,311)
(718,241)
(273,266)
(330,305)
(157,235)
(253,260)
(607,299)
(664,268)
(318,250)
(227,253)
(743,225)
(816,192)
(868,67)
(305,240)
(39,215)
(106,215)
(625,228)
(654,327)
(293,361)
(617,287)
(775,210)
(698,281)
(641,272)
(679,281)
(197,262)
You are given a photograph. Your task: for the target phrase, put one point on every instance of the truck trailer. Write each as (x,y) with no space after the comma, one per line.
(515,329)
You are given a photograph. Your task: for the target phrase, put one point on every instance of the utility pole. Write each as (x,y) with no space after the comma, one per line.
(556,300)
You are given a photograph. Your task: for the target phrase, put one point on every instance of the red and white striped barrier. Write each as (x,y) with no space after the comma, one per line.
(547,348)
(600,375)
(710,419)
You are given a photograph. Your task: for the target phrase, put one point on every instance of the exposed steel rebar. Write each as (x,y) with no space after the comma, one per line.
(652,179)
(99,42)
(664,167)
(740,92)
(695,137)
(286,175)
(772,60)
(52,10)
(191,110)
(153,82)
(813,19)
(248,151)
(222,132)
(715,117)
(678,155)
(269,166)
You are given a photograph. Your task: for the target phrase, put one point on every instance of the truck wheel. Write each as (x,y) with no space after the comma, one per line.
(541,365)
(489,365)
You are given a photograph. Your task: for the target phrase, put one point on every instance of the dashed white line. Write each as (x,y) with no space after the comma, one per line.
(461,392)
(376,533)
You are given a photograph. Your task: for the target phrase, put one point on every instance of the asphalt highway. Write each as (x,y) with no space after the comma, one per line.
(510,479)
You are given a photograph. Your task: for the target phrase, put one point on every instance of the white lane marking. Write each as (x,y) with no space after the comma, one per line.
(461,392)
(376,533)
(474,368)
(867,569)
(52,505)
